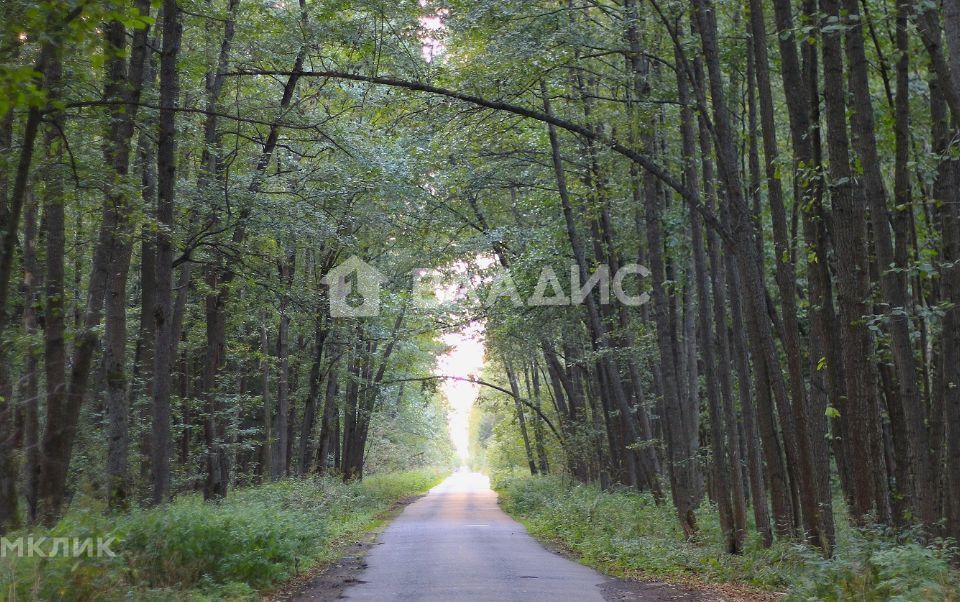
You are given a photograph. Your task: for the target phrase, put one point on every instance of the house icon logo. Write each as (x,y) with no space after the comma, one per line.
(354,289)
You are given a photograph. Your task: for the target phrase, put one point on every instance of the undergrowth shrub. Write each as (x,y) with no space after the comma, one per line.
(872,567)
(625,533)
(191,549)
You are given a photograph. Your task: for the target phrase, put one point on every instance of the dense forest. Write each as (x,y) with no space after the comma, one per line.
(179,179)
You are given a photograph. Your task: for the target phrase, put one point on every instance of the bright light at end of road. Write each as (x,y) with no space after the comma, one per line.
(463,360)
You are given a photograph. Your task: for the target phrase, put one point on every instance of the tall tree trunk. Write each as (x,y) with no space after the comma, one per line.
(817,513)
(599,336)
(743,237)
(124,83)
(9,511)
(680,448)
(280,468)
(543,464)
(329,443)
(266,447)
(732,526)
(50,490)
(142,376)
(214,429)
(211,175)
(859,411)
(350,410)
(948,183)
(113,242)
(521,419)
(166,204)
(750,435)
(951,351)
(48,66)
(310,407)
(752,429)
(141,391)
(731,426)
(30,388)
(892,285)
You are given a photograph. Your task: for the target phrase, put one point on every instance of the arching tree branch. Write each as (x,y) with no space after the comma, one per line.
(477,381)
(689,197)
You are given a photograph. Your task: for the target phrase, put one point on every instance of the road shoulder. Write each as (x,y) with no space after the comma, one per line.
(326,581)
(618,589)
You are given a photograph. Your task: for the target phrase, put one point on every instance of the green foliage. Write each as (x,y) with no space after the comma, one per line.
(626,534)
(191,549)
(411,433)
(872,568)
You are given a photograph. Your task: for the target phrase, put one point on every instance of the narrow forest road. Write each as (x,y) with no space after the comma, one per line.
(456,544)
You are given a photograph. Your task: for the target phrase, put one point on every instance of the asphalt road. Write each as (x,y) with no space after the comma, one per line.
(455,544)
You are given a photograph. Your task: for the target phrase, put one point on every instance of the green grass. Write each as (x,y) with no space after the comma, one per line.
(192,550)
(626,534)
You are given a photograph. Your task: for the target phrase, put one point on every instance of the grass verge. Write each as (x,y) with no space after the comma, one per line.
(192,550)
(626,534)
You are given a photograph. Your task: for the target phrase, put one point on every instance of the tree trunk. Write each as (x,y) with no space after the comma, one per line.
(166,204)
(113,241)
(950,232)
(48,65)
(730,524)
(817,520)
(329,443)
(280,468)
(597,330)
(266,447)
(920,471)
(859,412)
(533,389)
(743,237)
(50,490)
(124,83)
(350,410)
(211,175)
(310,407)
(142,376)
(30,389)
(9,511)
(521,419)
(680,448)
(217,462)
